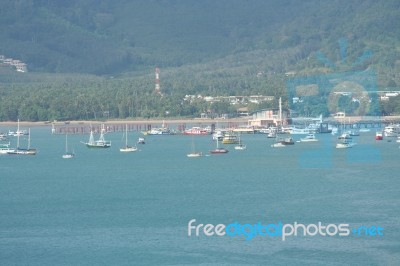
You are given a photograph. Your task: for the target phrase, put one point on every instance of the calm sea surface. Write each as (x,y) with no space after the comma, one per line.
(108,208)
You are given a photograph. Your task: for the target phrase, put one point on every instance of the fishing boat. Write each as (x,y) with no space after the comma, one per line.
(127,148)
(22,151)
(219,150)
(230,138)
(67,154)
(100,143)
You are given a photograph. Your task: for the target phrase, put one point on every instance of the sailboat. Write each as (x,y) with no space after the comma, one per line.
(194,153)
(100,143)
(127,148)
(67,155)
(240,146)
(20,151)
(219,150)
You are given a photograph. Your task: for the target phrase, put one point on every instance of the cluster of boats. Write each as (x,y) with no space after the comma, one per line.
(282,138)
(5,148)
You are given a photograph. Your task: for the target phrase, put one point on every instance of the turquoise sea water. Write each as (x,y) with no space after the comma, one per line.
(108,208)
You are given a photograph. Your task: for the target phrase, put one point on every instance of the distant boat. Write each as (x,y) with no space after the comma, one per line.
(282,142)
(163,130)
(230,138)
(345,144)
(197,131)
(19,132)
(271,134)
(100,143)
(309,138)
(219,150)
(287,141)
(158,131)
(379,135)
(22,151)
(391,131)
(344,136)
(3,136)
(354,133)
(194,153)
(5,148)
(278,143)
(240,146)
(127,148)
(141,141)
(217,135)
(67,155)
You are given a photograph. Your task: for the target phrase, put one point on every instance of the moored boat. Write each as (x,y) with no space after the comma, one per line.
(230,138)
(67,154)
(5,148)
(287,141)
(158,131)
(309,138)
(100,143)
(197,131)
(219,150)
(127,148)
(23,151)
(217,135)
(379,135)
(391,131)
(194,154)
(344,144)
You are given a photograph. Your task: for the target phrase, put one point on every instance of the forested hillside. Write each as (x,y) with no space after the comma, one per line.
(89,59)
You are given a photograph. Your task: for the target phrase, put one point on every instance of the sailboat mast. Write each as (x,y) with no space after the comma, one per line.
(126,135)
(18,135)
(66,142)
(29,139)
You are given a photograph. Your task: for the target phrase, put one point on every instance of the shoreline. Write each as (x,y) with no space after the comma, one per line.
(121,121)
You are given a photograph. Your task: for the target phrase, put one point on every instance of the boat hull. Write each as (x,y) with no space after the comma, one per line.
(219,151)
(194,155)
(128,149)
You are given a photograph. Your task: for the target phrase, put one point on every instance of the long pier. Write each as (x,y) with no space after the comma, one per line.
(120,127)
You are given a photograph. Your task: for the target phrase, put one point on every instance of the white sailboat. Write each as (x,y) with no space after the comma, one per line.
(21,151)
(67,155)
(127,148)
(194,153)
(240,146)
